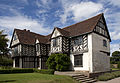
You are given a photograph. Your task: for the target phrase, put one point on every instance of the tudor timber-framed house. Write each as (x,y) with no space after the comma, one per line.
(87,43)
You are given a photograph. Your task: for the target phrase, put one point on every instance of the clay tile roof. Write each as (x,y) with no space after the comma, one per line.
(27,37)
(83,26)
(86,26)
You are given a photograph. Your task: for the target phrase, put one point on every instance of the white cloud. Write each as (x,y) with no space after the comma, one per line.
(44,4)
(23,1)
(114,47)
(85,9)
(115,35)
(22,22)
(115,2)
(42,11)
(113,22)
(79,10)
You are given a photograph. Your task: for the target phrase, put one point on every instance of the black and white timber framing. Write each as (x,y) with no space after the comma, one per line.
(88,46)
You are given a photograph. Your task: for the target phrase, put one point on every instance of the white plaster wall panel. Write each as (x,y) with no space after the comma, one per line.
(20,62)
(15,41)
(56,33)
(72,61)
(39,63)
(14,63)
(37,41)
(19,49)
(87,58)
(85,63)
(90,53)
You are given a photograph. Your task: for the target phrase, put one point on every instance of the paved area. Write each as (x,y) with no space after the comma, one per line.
(116,80)
(68,73)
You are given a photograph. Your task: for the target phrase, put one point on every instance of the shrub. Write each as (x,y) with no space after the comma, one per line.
(108,76)
(118,64)
(25,70)
(58,62)
(6,67)
(44,71)
(5,61)
(116,74)
(112,66)
(51,62)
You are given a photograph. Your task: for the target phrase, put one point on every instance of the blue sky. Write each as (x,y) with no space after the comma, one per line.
(41,16)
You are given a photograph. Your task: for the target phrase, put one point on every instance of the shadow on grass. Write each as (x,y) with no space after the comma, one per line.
(7,81)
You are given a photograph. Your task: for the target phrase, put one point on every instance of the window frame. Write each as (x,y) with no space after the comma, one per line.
(104,43)
(78,58)
(78,41)
(55,42)
(16,51)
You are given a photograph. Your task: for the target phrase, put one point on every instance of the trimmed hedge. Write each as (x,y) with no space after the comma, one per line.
(25,70)
(44,71)
(6,67)
(109,76)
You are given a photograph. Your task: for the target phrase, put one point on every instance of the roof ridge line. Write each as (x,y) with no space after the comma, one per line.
(82,21)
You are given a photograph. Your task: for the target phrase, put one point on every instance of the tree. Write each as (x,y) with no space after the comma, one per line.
(115,57)
(58,62)
(4,59)
(3,43)
(116,53)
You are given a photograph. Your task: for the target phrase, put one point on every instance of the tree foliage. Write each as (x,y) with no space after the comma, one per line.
(4,61)
(115,59)
(116,53)
(3,43)
(58,62)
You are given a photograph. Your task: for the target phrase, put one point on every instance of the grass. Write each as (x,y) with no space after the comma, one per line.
(115,69)
(35,78)
(109,76)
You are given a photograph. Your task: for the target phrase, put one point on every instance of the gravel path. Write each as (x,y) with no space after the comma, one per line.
(116,80)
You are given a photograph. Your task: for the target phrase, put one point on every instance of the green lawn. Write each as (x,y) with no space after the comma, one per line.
(35,78)
(115,69)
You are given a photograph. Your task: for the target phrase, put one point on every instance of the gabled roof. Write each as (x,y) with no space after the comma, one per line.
(83,27)
(27,37)
(63,32)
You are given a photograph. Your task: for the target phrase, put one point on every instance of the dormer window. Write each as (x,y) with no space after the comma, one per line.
(55,42)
